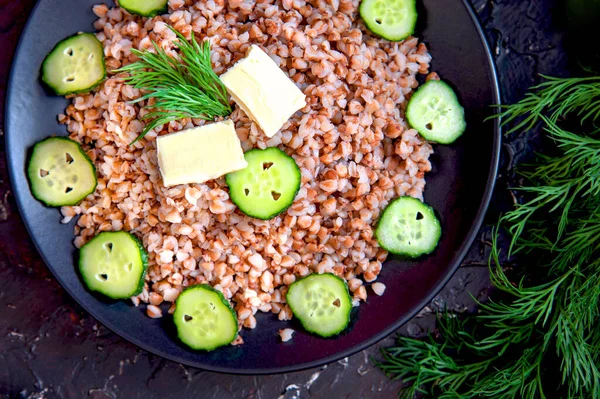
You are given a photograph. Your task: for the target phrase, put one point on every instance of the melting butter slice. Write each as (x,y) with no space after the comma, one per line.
(199,154)
(263,90)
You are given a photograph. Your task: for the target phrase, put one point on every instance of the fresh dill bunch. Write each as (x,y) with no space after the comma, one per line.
(538,336)
(184,87)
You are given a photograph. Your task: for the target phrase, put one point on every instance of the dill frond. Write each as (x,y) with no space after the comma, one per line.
(554,98)
(181,88)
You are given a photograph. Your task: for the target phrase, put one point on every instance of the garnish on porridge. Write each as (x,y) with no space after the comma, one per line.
(321,302)
(60,173)
(393,20)
(268,186)
(114,264)
(145,8)
(435,112)
(199,154)
(263,91)
(204,318)
(75,65)
(408,227)
(179,86)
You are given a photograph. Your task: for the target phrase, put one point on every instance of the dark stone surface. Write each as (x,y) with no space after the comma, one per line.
(51,348)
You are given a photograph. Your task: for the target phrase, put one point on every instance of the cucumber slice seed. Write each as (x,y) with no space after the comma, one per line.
(204,318)
(435,112)
(268,186)
(75,65)
(393,20)
(60,173)
(145,8)
(114,264)
(321,302)
(408,227)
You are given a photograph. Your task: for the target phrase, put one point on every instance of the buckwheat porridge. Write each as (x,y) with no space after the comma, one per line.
(351,142)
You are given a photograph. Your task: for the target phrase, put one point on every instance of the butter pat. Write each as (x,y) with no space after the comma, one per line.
(199,154)
(263,90)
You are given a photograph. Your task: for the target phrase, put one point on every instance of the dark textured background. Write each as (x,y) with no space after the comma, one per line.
(51,348)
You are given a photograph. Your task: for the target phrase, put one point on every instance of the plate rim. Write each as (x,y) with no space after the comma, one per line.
(466,245)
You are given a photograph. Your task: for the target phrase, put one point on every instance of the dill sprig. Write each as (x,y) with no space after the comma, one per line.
(554,98)
(573,176)
(538,336)
(184,87)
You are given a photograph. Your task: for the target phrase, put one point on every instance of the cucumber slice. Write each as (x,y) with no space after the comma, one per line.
(60,173)
(114,264)
(204,318)
(435,112)
(393,20)
(269,184)
(145,8)
(408,227)
(75,65)
(322,303)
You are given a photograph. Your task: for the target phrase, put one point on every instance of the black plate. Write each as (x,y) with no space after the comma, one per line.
(459,188)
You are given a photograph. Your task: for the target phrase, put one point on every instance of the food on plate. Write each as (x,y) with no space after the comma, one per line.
(321,303)
(199,154)
(286,334)
(204,318)
(146,8)
(75,65)
(393,20)
(114,264)
(408,227)
(175,85)
(263,90)
(326,112)
(60,173)
(434,110)
(268,186)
